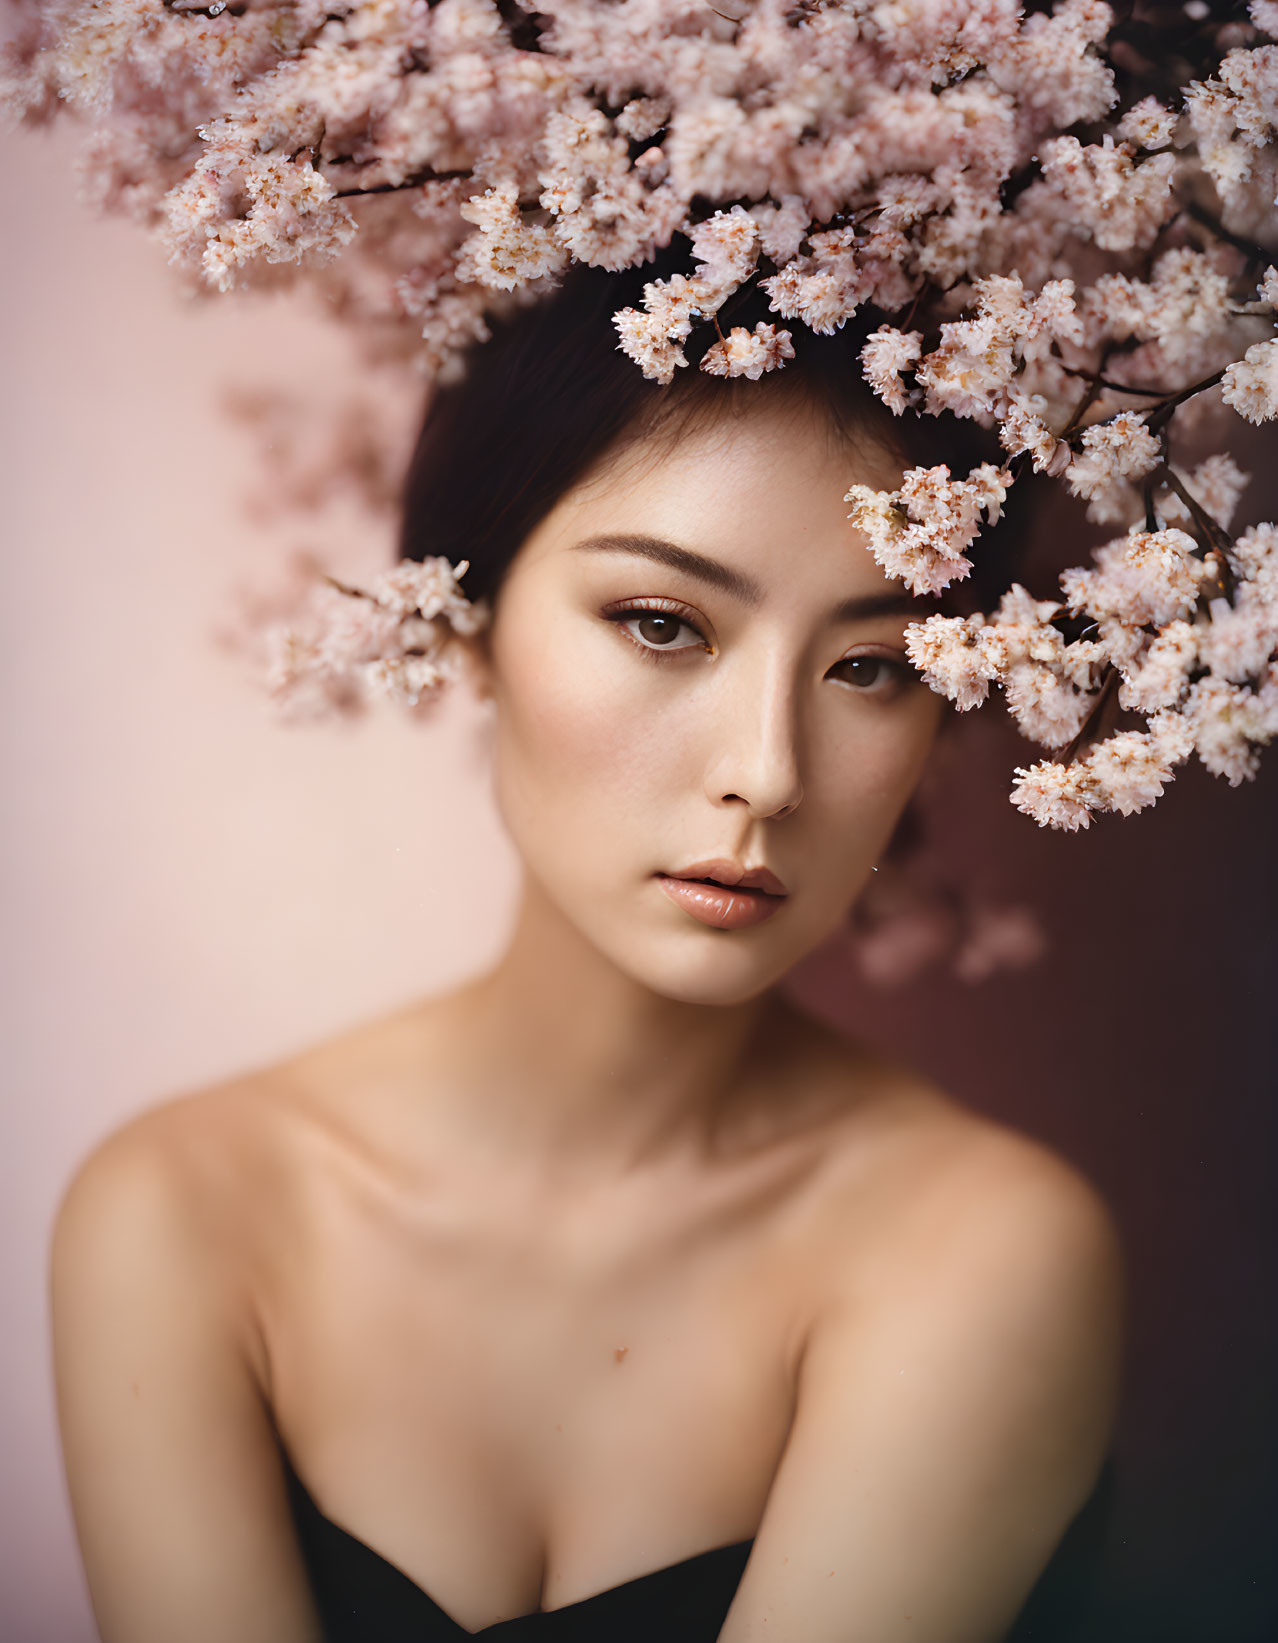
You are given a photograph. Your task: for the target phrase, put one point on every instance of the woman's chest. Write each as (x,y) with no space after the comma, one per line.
(535,1407)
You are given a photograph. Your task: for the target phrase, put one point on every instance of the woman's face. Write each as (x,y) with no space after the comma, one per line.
(653,713)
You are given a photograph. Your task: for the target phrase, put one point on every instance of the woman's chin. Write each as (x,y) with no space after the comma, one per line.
(710,991)
(703,966)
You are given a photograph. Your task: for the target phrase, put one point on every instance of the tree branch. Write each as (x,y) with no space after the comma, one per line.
(1107,692)
(396,188)
(1162,412)
(1217,536)
(345,587)
(1117,387)
(1251,249)
(1088,400)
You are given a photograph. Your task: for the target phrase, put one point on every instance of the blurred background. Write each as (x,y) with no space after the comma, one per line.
(191,889)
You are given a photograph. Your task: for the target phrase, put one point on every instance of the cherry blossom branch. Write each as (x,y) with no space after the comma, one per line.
(1160,414)
(1151,513)
(1106,693)
(395,188)
(1217,536)
(1115,387)
(345,587)
(425,175)
(1068,141)
(1157,414)
(1090,396)
(1251,249)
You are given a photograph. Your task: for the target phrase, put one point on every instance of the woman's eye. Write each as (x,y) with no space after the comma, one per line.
(877,674)
(656,630)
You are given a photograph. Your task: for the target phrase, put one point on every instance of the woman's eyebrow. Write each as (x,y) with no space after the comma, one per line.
(714,572)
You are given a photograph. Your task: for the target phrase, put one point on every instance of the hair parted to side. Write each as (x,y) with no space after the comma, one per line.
(550,394)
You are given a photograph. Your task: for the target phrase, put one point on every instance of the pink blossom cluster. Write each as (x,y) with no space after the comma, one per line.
(1060,223)
(341,646)
(1149,629)
(920,531)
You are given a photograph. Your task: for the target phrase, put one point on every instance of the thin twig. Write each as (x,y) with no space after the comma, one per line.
(1108,687)
(1157,414)
(415,181)
(1161,412)
(345,587)
(1118,387)
(1218,537)
(1251,249)
(1216,533)
(1151,518)
(1088,400)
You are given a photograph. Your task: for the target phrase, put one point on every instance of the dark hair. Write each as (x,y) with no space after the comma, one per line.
(551,392)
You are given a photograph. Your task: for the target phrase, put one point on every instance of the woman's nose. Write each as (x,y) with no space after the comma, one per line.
(755,751)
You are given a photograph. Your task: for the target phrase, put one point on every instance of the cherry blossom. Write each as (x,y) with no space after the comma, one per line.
(329,645)
(1055,795)
(885,354)
(1040,232)
(745,353)
(1250,385)
(920,532)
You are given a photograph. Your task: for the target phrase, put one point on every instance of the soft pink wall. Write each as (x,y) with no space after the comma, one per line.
(188,888)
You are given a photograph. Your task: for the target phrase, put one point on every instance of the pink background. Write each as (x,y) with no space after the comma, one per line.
(190,889)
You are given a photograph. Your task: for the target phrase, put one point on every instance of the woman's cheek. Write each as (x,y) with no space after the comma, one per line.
(580,743)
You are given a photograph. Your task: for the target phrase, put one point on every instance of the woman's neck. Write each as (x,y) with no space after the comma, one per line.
(560,1059)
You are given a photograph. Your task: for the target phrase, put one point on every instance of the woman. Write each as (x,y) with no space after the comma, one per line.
(608,1295)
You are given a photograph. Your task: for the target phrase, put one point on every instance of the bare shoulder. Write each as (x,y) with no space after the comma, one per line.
(924,1190)
(176,1194)
(1021,1247)
(958,1386)
(975,1234)
(217,1171)
(167,1160)
(947,1165)
(161,1382)
(1003,1197)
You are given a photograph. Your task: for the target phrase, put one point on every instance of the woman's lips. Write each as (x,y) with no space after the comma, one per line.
(726,907)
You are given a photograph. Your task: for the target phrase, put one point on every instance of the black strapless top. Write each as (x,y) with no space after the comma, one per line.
(364,1598)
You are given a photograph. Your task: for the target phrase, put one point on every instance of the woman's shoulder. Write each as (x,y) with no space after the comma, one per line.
(972,1226)
(201,1138)
(178,1147)
(198,1168)
(912,1171)
(146,1187)
(226,1162)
